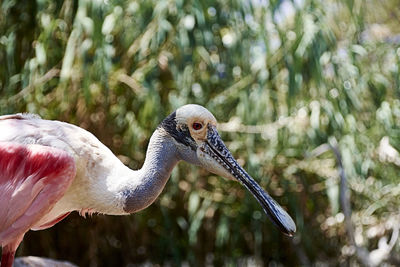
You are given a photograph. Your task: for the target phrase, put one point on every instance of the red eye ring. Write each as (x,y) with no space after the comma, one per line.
(197,126)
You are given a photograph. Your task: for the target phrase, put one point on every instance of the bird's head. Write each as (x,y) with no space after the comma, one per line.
(193,129)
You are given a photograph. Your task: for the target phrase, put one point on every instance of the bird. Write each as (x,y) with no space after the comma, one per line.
(49,169)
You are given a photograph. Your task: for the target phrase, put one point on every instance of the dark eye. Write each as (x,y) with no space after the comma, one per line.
(197,125)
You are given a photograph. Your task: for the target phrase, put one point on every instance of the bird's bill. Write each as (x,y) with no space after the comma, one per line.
(216,158)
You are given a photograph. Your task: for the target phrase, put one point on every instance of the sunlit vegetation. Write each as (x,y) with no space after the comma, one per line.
(292,83)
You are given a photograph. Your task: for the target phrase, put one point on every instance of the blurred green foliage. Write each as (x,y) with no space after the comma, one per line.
(283,77)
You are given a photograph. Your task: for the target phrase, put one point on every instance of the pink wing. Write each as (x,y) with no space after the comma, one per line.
(32,179)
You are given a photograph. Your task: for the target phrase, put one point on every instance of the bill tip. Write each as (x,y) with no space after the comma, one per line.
(290,233)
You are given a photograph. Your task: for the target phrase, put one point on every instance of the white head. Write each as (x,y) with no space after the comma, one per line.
(193,129)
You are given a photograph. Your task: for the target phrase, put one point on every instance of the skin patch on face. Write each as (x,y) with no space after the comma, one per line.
(188,125)
(180,133)
(196,118)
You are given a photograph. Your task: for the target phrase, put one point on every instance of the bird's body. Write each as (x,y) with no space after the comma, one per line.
(50,168)
(96,165)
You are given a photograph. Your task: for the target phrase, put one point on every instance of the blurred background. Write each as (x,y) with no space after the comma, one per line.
(306,93)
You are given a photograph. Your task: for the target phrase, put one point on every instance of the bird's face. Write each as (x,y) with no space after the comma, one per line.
(194,129)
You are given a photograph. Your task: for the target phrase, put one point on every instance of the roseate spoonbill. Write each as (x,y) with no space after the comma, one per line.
(51,168)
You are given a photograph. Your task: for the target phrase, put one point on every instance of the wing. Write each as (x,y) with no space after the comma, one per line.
(32,179)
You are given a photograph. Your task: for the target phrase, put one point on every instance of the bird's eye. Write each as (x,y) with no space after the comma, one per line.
(197,126)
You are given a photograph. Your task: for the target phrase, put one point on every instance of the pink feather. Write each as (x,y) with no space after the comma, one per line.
(32,179)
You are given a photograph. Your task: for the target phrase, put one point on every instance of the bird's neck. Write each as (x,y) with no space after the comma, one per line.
(148,182)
